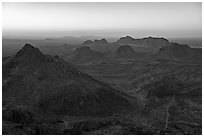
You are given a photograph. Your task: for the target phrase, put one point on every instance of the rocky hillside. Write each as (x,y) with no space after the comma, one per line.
(33,79)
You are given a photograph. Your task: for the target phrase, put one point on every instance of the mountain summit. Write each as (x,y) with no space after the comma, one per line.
(149,43)
(83,54)
(29,50)
(96,42)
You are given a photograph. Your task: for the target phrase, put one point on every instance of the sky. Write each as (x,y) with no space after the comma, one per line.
(42,20)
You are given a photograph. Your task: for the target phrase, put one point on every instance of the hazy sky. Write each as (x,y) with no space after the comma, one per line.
(104,19)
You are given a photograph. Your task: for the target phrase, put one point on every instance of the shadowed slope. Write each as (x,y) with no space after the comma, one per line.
(49,83)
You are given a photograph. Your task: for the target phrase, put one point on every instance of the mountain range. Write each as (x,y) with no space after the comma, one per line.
(131,86)
(127,47)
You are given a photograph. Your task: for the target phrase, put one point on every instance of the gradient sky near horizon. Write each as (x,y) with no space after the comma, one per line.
(37,20)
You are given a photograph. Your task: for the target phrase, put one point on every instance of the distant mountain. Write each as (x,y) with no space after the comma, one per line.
(126,40)
(150,43)
(125,52)
(96,42)
(82,55)
(48,83)
(79,40)
(195,42)
(180,52)
(60,50)
(100,45)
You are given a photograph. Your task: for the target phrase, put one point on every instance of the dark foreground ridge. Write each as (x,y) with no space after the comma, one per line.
(50,84)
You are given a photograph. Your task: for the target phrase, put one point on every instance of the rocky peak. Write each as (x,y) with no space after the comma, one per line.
(155,42)
(31,58)
(127,38)
(28,46)
(103,41)
(95,42)
(29,50)
(87,42)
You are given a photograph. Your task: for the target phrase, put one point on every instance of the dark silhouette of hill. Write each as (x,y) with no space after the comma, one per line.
(50,84)
(99,45)
(150,43)
(83,55)
(179,52)
(125,52)
(96,42)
